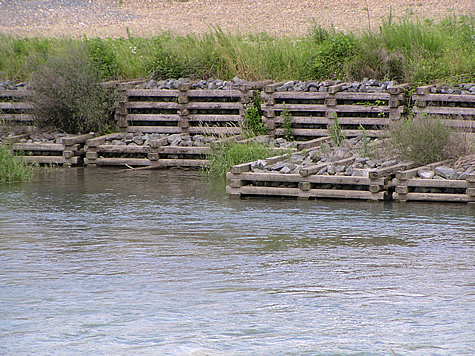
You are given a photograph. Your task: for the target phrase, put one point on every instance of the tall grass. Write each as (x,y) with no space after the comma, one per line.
(12,169)
(407,49)
(228,153)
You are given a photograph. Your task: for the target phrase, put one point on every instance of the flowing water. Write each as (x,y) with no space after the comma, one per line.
(97,261)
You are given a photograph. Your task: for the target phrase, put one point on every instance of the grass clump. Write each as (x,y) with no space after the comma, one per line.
(253,125)
(12,169)
(335,132)
(287,123)
(226,154)
(68,95)
(422,140)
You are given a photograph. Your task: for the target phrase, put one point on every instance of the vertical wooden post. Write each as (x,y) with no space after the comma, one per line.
(183,111)
(397,101)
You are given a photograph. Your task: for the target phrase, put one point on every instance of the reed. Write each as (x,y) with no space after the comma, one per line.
(14,169)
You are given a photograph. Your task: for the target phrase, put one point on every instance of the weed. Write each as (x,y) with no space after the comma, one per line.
(287,123)
(335,131)
(253,124)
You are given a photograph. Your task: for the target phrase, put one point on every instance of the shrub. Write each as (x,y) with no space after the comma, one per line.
(68,93)
(422,140)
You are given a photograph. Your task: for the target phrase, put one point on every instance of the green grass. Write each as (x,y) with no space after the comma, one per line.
(230,153)
(12,169)
(407,49)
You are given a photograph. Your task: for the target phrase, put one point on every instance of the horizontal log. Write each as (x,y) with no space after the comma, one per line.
(346,95)
(152,105)
(214,130)
(446,98)
(296,95)
(255,85)
(445,110)
(155,129)
(69,141)
(306,145)
(300,107)
(48,159)
(16,117)
(15,93)
(438,197)
(183,150)
(240,168)
(398,89)
(119,161)
(54,147)
(384,172)
(152,93)
(312,193)
(16,105)
(96,141)
(153,117)
(231,94)
(122,149)
(264,177)
(213,106)
(436,183)
(214,118)
(165,162)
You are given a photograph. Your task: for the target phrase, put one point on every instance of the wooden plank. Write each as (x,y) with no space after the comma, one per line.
(155,129)
(231,94)
(96,141)
(214,118)
(410,173)
(45,159)
(17,117)
(153,117)
(122,149)
(450,198)
(214,130)
(305,145)
(383,172)
(445,98)
(213,106)
(436,183)
(301,107)
(164,105)
(346,95)
(265,177)
(183,150)
(69,141)
(165,162)
(54,147)
(240,168)
(5,93)
(119,161)
(445,110)
(298,95)
(20,105)
(152,93)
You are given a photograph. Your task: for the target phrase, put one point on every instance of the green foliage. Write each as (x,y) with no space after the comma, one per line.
(13,169)
(422,140)
(335,131)
(253,124)
(333,53)
(229,153)
(68,95)
(103,57)
(287,123)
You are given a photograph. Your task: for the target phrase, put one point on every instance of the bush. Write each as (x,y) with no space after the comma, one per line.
(421,140)
(68,95)
(253,125)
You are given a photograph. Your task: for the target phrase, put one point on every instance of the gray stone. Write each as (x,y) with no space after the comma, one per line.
(446,172)
(425,174)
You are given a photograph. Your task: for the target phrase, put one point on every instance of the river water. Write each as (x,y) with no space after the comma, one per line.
(106,262)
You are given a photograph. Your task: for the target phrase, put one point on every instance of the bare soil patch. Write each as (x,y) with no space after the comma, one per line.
(114,18)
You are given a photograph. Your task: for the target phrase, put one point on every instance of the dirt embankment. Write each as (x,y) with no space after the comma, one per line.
(113,18)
